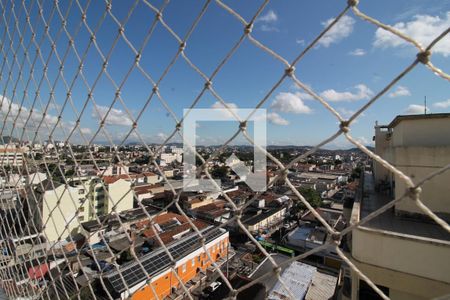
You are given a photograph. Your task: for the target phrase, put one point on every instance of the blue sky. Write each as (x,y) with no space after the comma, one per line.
(348,66)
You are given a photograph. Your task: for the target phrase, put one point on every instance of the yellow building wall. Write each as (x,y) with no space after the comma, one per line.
(167,281)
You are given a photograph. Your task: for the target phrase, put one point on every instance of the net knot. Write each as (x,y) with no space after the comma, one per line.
(248,29)
(424,56)
(290,71)
(336,238)
(344,126)
(243,125)
(414,192)
(352,3)
(182,46)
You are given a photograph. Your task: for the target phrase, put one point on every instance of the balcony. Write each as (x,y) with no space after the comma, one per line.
(409,254)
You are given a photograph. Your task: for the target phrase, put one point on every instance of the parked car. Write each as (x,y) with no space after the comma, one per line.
(213,286)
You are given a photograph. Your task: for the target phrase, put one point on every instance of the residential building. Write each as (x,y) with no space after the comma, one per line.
(58,209)
(406,254)
(11,155)
(62,208)
(264,219)
(190,258)
(216,212)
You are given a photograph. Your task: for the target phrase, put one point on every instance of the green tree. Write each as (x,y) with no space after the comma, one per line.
(312,196)
(70,173)
(356,173)
(55,172)
(219,172)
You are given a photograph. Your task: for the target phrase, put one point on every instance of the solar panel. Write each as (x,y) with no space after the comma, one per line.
(156,261)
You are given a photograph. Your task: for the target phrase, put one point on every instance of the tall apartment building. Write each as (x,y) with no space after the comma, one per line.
(403,251)
(62,208)
(11,155)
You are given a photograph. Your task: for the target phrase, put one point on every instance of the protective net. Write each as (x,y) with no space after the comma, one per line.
(75,222)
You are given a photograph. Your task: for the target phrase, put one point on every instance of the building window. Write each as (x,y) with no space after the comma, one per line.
(193,262)
(183,268)
(81,191)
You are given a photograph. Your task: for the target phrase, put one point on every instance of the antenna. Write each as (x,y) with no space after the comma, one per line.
(425,105)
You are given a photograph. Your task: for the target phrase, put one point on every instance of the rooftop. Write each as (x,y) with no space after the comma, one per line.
(398,119)
(252,219)
(388,221)
(156,261)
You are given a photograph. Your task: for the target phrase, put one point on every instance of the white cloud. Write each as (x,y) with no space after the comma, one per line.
(304,96)
(365,141)
(86,131)
(268,17)
(442,104)
(300,42)
(269,28)
(161,136)
(400,91)
(115,116)
(363,92)
(276,119)
(13,112)
(267,21)
(219,105)
(415,109)
(22,116)
(423,28)
(358,52)
(342,29)
(346,113)
(289,103)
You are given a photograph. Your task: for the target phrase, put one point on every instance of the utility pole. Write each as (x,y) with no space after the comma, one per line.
(425,104)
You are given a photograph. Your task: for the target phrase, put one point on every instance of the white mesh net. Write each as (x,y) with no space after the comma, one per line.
(66,236)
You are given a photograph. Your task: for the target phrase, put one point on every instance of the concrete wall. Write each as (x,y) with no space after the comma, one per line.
(381,145)
(422,132)
(422,257)
(418,162)
(120,194)
(55,216)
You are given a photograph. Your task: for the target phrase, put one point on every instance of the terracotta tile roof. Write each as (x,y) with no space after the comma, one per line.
(113,178)
(218,204)
(148,188)
(353,186)
(149,174)
(168,235)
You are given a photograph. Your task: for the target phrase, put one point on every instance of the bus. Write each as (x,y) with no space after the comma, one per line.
(277,248)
